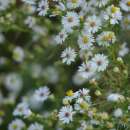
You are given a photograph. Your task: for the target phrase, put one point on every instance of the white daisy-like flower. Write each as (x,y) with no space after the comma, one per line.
(101,62)
(100,3)
(60,38)
(16,124)
(118,113)
(115,97)
(126,22)
(70,20)
(42,93)
(113,14)
(93,24)
(125,5)
(87,70)
(35,126)
(85,40)
(22,109)
(123,50)
(4,4)
(68,55)
(18,54)
(71,4)
(32,2)
(106,38)
(78,79)
(43,7)
(66,114)
(13,82)
(30,21)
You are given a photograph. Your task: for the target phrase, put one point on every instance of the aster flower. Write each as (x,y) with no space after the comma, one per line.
(35,126)
(106,38)
(93,24)
(66,114)
(85,40)
(125,5)
(13,82)
(4,4)
(113,14)
(87,70)
(22,109)
(100,3)
(123,50)
(18,54)
(42,93)
(115,97)
(101,62)
(71,4)
(60,38)
(43,7)
(70,20)
(68,55)
(16,124)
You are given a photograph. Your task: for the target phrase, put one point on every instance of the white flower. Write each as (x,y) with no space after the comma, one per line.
(93,24)
(18,54)
(42,93)
(88,69)
(43,7)
(68,55)
(4,4)
(66,114)
(30,21)
(51,74)
(101,62)
(16,124)
(113,14)
(85,40)
(22,109)
(13,82)
(60,38)
(115,97)
(100,3)
(125,5)
(70,20)
(126,22)
(71,4)
(123,50)
(29,1)
(36,126)
(118,113)
(78,79)
(36,70)
(106,38)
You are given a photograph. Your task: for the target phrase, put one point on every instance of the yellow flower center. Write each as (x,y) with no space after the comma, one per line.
(108,37)
(15,126)
(74,1)
(85,39)
(114,9)
(128,3)
(69,93)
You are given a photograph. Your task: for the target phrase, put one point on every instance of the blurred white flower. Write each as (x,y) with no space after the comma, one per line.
(42,93)
(35,126)
(16,124)
(13,82)
(18,54)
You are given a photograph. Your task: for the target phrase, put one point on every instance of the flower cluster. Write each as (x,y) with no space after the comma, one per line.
(64,65)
